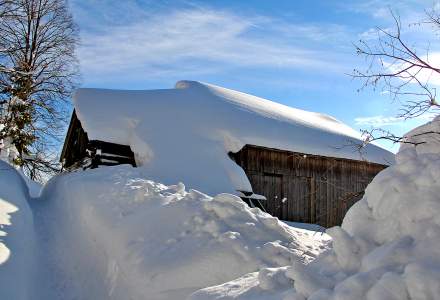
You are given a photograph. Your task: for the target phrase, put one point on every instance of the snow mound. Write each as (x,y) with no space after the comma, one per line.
(112,234)
(178,134)
(16,235)
(388,244)
(8,153)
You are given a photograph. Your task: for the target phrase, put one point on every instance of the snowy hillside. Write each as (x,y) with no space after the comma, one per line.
(182,134)
(386,249)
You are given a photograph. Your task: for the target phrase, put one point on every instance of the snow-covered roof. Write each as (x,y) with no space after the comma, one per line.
(179,134)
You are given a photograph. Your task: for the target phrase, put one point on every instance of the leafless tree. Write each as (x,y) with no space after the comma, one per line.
(38,72)
(6,7)
(399,68)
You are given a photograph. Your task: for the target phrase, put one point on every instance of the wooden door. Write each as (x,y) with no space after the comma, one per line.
(273,190)
(300,199)
(290,198)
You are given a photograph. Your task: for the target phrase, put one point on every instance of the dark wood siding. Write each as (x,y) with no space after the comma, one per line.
(76,143)
(77,148)
(303,187)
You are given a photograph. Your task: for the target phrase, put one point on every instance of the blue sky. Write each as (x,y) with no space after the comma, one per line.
(294,52)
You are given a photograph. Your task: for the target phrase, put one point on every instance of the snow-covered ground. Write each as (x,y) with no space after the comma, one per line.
(110,233)
(388,246)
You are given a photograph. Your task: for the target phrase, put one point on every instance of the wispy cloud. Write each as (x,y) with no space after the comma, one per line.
(380,120)
(380,9)
(425,76)
(199,40)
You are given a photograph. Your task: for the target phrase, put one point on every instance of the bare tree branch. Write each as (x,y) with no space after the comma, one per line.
(395,66)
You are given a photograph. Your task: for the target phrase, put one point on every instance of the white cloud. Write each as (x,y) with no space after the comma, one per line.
(380,120)
(377,121)
(313,32)
(380,9)
(381,13)
(198,40)
(424,75)
(374,33)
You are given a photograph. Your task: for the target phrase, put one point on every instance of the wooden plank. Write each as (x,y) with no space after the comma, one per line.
(305,182)
(312,200)
(251,160)
(68,138)
(285,204)
(323,203)
(297,201)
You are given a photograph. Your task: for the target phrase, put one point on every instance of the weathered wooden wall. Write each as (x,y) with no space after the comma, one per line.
(75,144)
(77,147)
(305,188)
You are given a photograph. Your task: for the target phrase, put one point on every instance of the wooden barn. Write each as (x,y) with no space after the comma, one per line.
(305,188)
(300,186)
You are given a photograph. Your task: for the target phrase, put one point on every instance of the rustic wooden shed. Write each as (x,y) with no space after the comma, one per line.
(304,187)
(298,187)
(182,133)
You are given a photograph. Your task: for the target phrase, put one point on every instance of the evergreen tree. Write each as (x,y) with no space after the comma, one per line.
(38,72)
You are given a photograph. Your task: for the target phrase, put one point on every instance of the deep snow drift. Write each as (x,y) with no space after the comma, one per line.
(184,134)
(16,236)
(387,247)
(109,233)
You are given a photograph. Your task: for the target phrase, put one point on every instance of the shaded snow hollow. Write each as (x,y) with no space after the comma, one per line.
(388,247)
(110,233)
(184,134)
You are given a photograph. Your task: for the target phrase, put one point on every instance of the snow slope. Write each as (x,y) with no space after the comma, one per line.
(184,134)
(16,236)
(386,249)
(8,153)
(109,233)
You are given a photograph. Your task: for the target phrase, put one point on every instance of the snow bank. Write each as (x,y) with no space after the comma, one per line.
(184,134)
(16,236)
(8,153)
(110,234)
(387,247)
